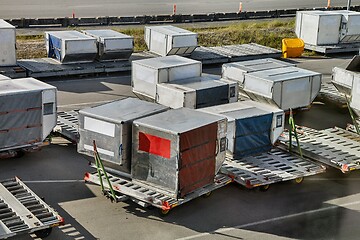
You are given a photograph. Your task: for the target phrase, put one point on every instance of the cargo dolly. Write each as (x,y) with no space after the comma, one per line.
(274,166)
(334,147)
(67,125)
(329,94)
(23,212)
(119,189)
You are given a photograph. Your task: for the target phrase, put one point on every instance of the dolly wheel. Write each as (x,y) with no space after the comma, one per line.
(43,233)
(264,188)
(207,194)
(164,212)
(299,180)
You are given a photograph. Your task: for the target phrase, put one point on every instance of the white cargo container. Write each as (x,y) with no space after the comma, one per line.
(355,95)
(27,112)
(112,45)
(350,27)
(253,127)
(286,88)
(110,125)
(178,151)
(207,90)
(147,73)
(343,78)
(236,71)
(70,46)
(170,40)
(7,44)
(318,27)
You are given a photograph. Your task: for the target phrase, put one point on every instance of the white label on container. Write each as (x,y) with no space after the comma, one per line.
(100,150)
(99,126)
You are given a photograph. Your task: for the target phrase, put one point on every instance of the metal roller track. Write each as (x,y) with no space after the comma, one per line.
(22,211)
(266,168)
(68,125)
(334,147)
(329,94)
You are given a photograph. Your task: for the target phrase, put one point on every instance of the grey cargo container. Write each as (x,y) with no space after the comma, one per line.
(343,78)
(175,152)
(147,73)
(110,125)
(236,71)
(170,40)
(7,44)
(70,46)
(286,88)
(112,45)
(27,112)
(207,90)
(252,128)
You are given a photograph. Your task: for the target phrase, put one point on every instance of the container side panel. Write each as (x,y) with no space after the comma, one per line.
(315,87)
(184,41)
(329,29)
(212,96)
(118,44)
(309,28)
(197,158)
(258,86)
(296,93)
(144,80)
(7,47)
(154,145)
(253,135)
(183,72)
(355,95)
(158,43)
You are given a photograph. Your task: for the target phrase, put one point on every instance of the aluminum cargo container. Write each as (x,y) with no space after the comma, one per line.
(318,27)
(350,27)
(343,78)
(205,91)
(175,152)
(27,112)
(7,44)
(286,88)
(252,127)
(110,125)
(235,71)
(70,46)
(147,73)
(112,45)
(170,40)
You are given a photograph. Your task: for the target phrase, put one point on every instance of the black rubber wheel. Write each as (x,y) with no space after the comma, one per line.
(19,154)
(299,180)
(264,188)
(206,195)
(43,233)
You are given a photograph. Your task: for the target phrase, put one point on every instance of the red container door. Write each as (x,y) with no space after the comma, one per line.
(197,158)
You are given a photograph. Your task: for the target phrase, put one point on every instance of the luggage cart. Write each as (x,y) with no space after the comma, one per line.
(23,212)
(334,147)
(264,169)
(119,188)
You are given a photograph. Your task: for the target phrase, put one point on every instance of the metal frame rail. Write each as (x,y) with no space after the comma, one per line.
(68,125)
(267,168)
(23,212)
(334,147)
(329,94)
(125,189)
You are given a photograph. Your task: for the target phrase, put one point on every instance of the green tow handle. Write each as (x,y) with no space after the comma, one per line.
(352,115)
(100,168)
(291,131)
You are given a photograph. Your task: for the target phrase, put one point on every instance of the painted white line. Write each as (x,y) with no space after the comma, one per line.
(53,181)
(333,179)
(222,230)
(87,103)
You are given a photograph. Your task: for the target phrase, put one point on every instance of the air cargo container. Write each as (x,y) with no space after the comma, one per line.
(236,71)
(147,73)
(355,95)
(286,88)
(170,40)
(7,44)
(175,152)
(252,127)
(343,78)
(110,125)
(27,113)
(112,45)
(205,91)
(70,46)
(318,27)
(350,27)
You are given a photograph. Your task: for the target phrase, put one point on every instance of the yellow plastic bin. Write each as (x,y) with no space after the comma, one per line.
(292,47)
